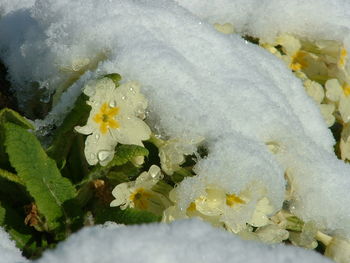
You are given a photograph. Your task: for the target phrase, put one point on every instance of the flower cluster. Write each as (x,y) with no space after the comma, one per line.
(115,117)
(232,211)
(322,66)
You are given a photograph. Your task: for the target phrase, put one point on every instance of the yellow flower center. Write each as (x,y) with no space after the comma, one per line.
(232,200)
(342,57)
(191,207)
(346,89)
(298,61)
(140,198)
(105,118)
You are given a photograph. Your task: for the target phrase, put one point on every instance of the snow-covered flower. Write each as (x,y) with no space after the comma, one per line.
(344,144)
(115,117)
(139,194)
(294,56)
(340,93)
(172,153)
(314,90)
(339,250)
(221,208)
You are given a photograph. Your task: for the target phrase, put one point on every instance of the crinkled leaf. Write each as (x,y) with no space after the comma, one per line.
(128,216)
(39,173)
(8,115)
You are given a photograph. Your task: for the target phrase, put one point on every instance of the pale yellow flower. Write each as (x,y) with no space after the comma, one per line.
(172,153)
(139,194)
(271,234)
(221,208)
(339,93)
(115,117)
(327,111)
(294,56)
(314,90)
(345,142)
(338,250)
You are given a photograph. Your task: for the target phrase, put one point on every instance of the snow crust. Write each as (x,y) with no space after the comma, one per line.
(314,19)
(179,242)
(199,83)
(7,6)
(8,251)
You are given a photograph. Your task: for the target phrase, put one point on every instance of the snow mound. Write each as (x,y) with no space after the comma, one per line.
(179,242)
(8,251)
(199,83)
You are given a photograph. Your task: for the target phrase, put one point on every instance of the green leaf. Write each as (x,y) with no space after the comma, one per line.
(8,115)
(13,223)
(125,153)
(39,173)
(10,177)
(65,135)
(128,216)
(115,77)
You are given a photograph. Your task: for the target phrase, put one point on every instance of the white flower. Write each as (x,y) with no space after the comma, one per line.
(345,143)
(327,113)
(314,90)
(339,93)
(294,56)
(222,208)
(139,194)
(114,118)
(338,250)
(172,153)
(271,234)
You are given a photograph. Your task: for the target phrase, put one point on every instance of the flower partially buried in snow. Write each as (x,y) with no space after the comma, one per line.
(115,117)
(224,208)
(172,153)
(139,194)
(339,93)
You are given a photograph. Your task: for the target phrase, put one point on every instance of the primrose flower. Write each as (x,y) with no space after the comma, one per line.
(339,93)
(294,56)
(172,153)
(115,117)
(221,208)
(139,194)
(345,142)
(339,250)
(314,90)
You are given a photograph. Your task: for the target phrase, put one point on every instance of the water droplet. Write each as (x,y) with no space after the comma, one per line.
(124,97)
(97,136)
(103,155)
(132,90)
(112,103)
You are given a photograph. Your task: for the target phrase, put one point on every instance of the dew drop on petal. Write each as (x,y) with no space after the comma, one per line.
(97,136)
(103,155)
(124,97)
(112,103)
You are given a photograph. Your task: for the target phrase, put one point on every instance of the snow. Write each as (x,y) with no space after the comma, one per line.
(182,241)
(314,19)
(8,251)
(199,83)
(9,6)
